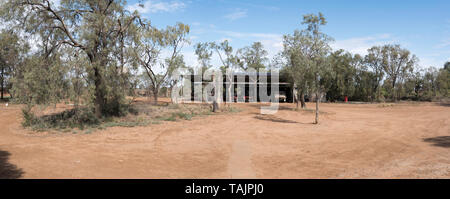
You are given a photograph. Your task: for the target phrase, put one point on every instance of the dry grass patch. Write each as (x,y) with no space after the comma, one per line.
(141,113)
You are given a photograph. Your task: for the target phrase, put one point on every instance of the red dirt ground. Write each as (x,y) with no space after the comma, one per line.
(352,141)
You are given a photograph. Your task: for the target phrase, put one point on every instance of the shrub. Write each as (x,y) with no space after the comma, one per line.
(67,119)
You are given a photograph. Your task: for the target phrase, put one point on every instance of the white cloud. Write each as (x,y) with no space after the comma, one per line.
(273,43)
(152,6)
(237,14)
(361,44)
(444,43)
(436,59)
(243,35)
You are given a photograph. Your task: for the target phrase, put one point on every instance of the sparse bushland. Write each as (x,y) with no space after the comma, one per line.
(84,46)
(87,53)
(90,52)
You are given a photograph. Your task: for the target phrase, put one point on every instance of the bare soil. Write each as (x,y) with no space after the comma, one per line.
(406,140)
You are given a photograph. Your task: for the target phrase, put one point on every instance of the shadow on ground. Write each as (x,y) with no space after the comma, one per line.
(8,170)
(273,118)
(441,141)
(444,104)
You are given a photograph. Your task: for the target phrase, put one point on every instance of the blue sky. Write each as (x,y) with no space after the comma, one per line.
(423,27)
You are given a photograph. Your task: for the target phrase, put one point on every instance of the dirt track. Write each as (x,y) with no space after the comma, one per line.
(352,141)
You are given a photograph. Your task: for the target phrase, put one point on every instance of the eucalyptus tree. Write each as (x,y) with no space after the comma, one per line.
(254,56)
(294,52)
(364,83)
(397,63)
(12,51)
(430,82)
(204,54)
(228,59)
(374,60)
(443,80)
(341,81)
(96,28)
(316,54)
(41,80)
(414,85)
(149,53)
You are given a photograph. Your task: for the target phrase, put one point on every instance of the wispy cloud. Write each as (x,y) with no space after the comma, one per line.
(273,43)
(243,34)
(361,44)
(444,43)
(237,14)
(252,5)
(152,6)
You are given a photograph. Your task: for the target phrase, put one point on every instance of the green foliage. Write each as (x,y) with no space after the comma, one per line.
(40,81)
(254,57)
(295,55)
(306,58)
(204,54)
(185,116)
(374,61)
(96,32)
(12,53)
(341,80)
(397,64)
(148,49)
(139,122)
(74,118)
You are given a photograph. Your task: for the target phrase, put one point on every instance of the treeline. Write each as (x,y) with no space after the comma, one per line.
(386,73)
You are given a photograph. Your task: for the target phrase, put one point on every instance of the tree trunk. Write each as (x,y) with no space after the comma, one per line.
(375,91)
(99,102)
(155,97)
(229,97)
(215,104)
(170,89)
(3,80)
(394,95)
(302,99)
(99,98)
(317,108)
(294,95)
